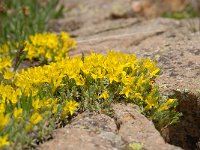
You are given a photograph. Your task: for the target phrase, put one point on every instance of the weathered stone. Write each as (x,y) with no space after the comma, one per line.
(88,131)
(136,128)
(98,132)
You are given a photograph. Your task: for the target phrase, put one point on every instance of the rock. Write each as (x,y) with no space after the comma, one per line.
(152,8)
(118,11)
(88,131)
(92,131)
(136,128)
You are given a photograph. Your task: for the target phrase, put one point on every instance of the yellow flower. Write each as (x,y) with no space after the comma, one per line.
(113,77)
(55,108)
(17,113)
(8,74)
(32,77)
(170,101)
(104,95)
(138,95)
(4,120)
(2,107)
(64,35)
(141,80)
(35,118)
(128,80)
(163,108)
(98,73)
(87,67)
(155,72)
(9,94)
(37,104)
(4,48)
(71,67)
(32,91)
(47,102)
(49,46)
(14,99)
(67,42)
(79,80)
(166,106)
(4,141)
(57,80)
(70,107)
(126,90)
(151,66)
(152,99)
(5,62)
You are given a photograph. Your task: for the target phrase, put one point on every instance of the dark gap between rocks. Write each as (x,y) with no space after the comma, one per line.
(186,133)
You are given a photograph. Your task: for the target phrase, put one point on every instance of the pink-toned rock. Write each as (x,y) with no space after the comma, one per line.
(136,128)
(136,6)
(90,131)
(155,8)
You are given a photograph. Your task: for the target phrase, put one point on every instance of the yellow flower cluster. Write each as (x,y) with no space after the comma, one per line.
(104,95)
(14,110)
(6,70)
(5,118)
(8,94)
(4,141)
(4,49)
(132,75)
(70,107)
(30,79)
(18,113)
(5,62)
(49,46)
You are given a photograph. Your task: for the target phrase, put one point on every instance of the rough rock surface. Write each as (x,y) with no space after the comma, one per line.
(90,131)
(171,43)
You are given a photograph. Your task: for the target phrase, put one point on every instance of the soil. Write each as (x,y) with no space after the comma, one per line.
(99,26)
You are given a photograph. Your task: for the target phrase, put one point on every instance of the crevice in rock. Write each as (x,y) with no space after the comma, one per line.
(118,123)
(113,28)
(186,133)
(138,41)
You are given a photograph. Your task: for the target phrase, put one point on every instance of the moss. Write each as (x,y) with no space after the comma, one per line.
(188,12)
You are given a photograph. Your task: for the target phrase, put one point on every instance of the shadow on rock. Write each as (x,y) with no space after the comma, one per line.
(186,133)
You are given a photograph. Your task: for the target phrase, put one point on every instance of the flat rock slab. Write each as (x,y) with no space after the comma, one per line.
(90,131)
